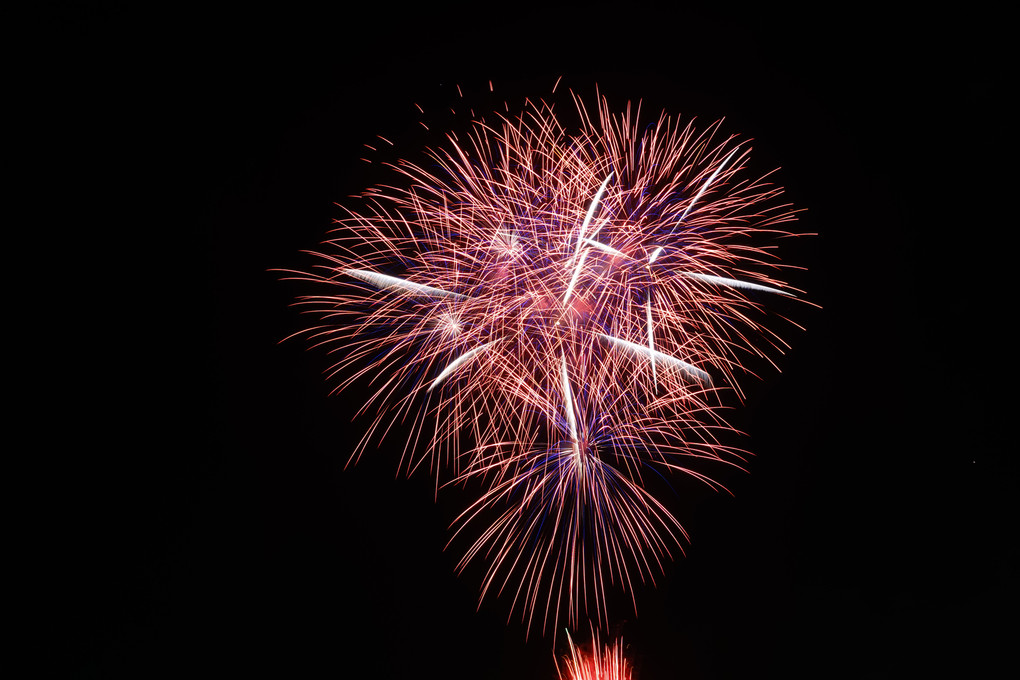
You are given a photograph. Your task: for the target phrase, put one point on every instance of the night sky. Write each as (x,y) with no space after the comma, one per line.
(205,524)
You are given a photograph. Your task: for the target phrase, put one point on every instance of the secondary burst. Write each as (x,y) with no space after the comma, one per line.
(550,314)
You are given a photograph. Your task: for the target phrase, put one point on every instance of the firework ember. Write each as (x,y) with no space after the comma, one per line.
(550,315)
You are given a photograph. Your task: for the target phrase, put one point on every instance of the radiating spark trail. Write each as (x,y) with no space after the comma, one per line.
(706,185)
(579,254)
(707,278)
(606,249)
(568,407)
(457,363)
(734,283)
(591,212)
(664,359)
(382,281)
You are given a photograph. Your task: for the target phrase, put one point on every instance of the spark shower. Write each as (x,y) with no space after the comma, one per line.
(553,313)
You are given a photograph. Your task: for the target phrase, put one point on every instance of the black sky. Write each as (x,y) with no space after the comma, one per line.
(219,533)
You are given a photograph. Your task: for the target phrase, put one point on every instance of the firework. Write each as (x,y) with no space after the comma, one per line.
(550,316)
(602,663)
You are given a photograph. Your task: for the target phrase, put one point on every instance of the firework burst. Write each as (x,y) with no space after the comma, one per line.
(602,663)
(551,315)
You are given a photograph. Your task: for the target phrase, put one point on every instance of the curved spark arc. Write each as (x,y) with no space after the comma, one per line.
(591,213)
(652,355)
(568,408)
(707,278)
(581,238)
(457,363)
(570,526)
(734,283)
(706,185)
(384,281)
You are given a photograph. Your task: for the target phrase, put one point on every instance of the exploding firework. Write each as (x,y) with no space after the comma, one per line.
(602,663)
(551,316)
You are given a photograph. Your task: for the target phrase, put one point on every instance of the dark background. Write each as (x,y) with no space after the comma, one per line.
(204,524)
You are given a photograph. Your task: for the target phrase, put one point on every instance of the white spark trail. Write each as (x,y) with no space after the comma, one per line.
(606,249)
(457,363)
(722,280)
(568,400)
(383,282)
(591,211)
(707,184)
(734,283)
(664,359)
(581,237)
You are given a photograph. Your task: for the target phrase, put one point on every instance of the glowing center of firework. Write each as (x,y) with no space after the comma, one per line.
(448,325)
(507,244)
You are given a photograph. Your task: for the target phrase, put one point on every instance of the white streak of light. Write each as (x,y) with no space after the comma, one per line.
(457,363)
(723,281)
(733,283)
(664,359)
(581,237)
(705,186)
(591,211)
(569,407)
(382,281)
(606,249)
